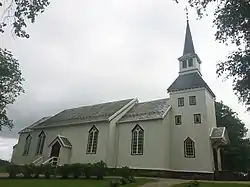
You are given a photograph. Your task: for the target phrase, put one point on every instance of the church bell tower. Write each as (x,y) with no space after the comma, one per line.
(192,114)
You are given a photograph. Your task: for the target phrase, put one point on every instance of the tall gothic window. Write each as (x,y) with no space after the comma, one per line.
(27,145)
(40,143)
(189,148)
(137,141)
(92,140)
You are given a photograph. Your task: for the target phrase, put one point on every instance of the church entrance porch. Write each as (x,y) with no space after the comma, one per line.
(60,149)
(55,149)
(219,137)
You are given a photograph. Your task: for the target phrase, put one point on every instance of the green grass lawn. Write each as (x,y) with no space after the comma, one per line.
(63,183)
(208,184)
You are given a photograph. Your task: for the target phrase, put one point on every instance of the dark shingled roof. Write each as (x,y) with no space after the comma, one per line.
(62,140)
(188,46)
(65,141)
(217,132)
(189,81)
(86,114)
(146,111)
(29,128)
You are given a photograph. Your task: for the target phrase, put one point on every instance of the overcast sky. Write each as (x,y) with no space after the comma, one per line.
(90,51)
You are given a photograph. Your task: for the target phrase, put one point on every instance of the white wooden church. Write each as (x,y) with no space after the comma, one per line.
(178,133)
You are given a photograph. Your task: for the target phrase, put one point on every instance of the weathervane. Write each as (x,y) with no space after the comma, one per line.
(186,9)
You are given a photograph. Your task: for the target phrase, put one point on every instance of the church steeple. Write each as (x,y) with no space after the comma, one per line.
(189,62)
(188,46)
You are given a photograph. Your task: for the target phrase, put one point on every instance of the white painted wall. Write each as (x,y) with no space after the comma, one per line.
(196,66)
(18,157)
(113,135)
(203,161)
(155,145)
(76,134)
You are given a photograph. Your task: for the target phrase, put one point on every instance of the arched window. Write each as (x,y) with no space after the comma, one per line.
(27,145)
(92,140)
(40,143)
(189,148)
(137,140)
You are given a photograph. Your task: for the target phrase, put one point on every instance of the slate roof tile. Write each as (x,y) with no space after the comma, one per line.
(189,81)
(146,110)
(86,114)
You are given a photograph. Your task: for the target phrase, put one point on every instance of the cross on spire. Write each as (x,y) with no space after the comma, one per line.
(186,9)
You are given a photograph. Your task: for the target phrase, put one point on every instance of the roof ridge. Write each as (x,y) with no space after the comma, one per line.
(153,100)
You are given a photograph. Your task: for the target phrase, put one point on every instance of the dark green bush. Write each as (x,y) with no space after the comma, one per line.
(125,172)
(47,170)
(131,179)
(13,170)
(114,183)
(37,170)
(193,184)
(124,181)
(27,170)
(87,169)
(99,170)
(64,170)
(77,170)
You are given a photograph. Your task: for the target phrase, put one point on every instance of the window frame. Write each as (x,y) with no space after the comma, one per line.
(178,116)
(40,143)
(192,62)
(179,103)
(191,143)
(195,115)
(27,145)
(92,142)
(136,132)
(190,99)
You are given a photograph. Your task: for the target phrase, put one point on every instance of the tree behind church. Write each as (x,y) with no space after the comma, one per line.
(15,14)
(235,156)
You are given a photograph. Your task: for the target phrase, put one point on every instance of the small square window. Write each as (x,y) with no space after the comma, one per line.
(197,118)
(190,62)
(192,100)
(184,64)
(180,101)
(178,120)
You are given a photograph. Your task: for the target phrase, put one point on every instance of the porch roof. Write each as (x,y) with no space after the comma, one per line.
(219,136)
(62,140)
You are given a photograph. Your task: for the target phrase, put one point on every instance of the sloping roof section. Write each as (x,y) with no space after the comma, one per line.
(62,140)
(189,81)
(86,114)
(146,111)
(29,128)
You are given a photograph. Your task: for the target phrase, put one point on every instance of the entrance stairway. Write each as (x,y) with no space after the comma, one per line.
(53,161)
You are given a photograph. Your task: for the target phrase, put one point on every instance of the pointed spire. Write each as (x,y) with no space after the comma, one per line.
(188,46)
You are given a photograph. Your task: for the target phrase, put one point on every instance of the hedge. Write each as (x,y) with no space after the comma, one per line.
(97,170)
